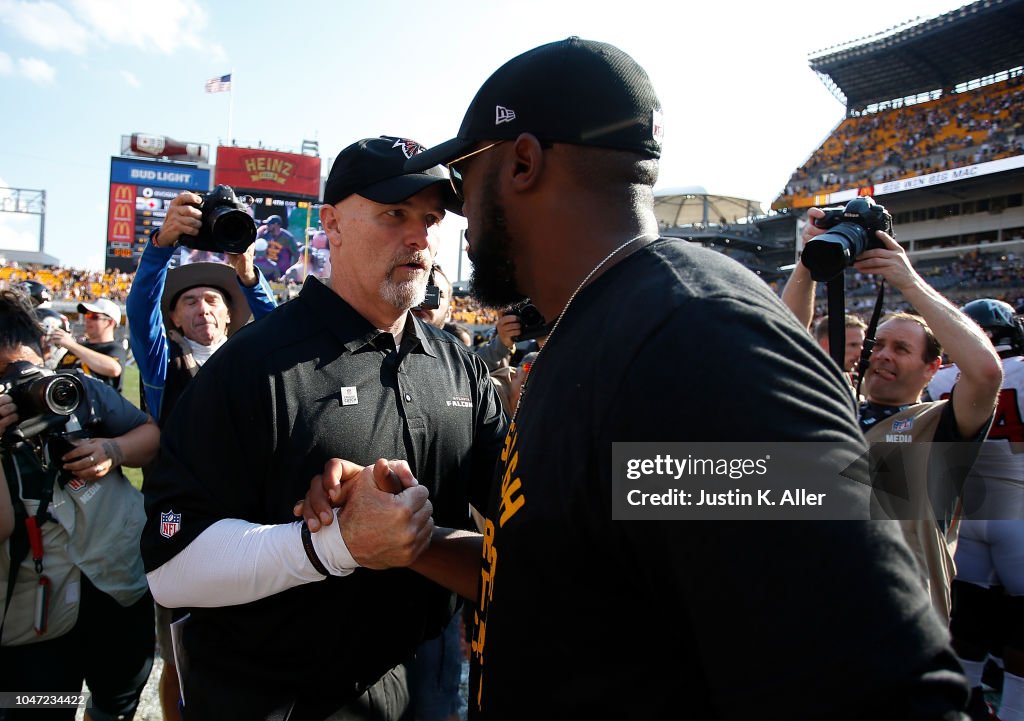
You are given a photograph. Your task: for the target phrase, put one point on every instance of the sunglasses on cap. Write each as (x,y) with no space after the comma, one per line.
(455,177)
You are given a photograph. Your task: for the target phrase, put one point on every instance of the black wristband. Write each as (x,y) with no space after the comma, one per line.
(307,543)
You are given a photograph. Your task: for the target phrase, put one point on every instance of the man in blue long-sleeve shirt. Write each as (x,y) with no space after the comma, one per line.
(177,319)
(174,326)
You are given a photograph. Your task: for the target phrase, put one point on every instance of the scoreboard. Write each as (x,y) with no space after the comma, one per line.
(140,191)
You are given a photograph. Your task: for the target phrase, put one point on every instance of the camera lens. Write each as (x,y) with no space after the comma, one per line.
(62,395)
(233,230)
(530,316)
(827,255)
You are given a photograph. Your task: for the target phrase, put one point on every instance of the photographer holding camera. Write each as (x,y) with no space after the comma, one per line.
(76,605)
(172,336)
(520,323)
(906,354)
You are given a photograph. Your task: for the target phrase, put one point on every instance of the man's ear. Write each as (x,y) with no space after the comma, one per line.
(330,220)
(528,159)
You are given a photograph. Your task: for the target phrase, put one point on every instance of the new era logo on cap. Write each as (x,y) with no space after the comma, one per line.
(503,115)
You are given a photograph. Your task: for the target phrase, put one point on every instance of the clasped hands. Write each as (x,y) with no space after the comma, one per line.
(385,515)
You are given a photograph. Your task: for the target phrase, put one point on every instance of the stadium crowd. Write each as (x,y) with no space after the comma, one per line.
(970,276)
(952,131)
(74,285)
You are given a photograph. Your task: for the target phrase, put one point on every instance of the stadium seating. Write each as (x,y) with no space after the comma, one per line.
(954,130)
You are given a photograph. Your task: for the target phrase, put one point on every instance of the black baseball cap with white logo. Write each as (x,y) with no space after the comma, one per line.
(375,169)
(576,91)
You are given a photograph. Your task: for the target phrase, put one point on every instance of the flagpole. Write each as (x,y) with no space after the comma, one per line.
(231,104)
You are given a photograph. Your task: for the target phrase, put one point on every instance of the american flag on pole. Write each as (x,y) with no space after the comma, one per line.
(219,85)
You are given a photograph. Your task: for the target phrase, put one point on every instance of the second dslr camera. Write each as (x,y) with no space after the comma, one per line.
(227,226)
(44,398)
(851,231)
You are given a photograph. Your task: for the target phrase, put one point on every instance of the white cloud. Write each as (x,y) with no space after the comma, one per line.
(36,70)
(45,24)
(161,25)
(13,238)
(130,79)
(128,22)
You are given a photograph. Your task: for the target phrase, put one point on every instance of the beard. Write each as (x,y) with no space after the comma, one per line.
(405,294)
(493,282)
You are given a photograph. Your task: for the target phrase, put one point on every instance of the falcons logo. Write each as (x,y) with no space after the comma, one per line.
(409,147)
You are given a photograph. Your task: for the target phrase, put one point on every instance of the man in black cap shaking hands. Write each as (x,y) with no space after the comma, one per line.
(658,340)
(342,371)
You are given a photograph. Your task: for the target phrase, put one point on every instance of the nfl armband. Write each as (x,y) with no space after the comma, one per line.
(307,544)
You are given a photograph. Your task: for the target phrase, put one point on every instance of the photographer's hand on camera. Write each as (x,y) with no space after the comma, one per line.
(8,413)
(810,229)
(798,293)
(508,327)
(890,262)
(243,263)
(183,218)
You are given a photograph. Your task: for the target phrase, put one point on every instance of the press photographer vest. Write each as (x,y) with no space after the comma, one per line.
(932,546)
(93,529)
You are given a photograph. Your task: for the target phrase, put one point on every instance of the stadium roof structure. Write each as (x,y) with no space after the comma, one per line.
(714,220)
(25,257)
(971,42)
(693,205)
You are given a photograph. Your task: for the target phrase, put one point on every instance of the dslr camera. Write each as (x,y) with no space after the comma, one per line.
(227,226)
(851,231)
(44,398)
(532,323)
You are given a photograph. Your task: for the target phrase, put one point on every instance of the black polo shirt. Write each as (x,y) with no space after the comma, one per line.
(311,381)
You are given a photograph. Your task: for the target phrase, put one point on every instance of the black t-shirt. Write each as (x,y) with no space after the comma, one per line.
(311,381)
(111,348)
(585,617)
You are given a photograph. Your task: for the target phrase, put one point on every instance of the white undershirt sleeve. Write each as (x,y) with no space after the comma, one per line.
(234,562)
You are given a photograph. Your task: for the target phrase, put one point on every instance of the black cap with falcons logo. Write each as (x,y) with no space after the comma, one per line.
(375,168)
(573,91)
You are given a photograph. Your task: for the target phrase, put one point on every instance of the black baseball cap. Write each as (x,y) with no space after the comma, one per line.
(375,169)
(576,91)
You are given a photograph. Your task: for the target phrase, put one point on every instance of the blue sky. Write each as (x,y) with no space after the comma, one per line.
(742,108)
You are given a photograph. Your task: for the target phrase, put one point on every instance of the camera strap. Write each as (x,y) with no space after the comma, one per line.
(837,319)
(869,336)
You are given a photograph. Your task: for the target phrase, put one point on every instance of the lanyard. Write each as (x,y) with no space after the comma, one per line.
(43,589)
(34,533)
